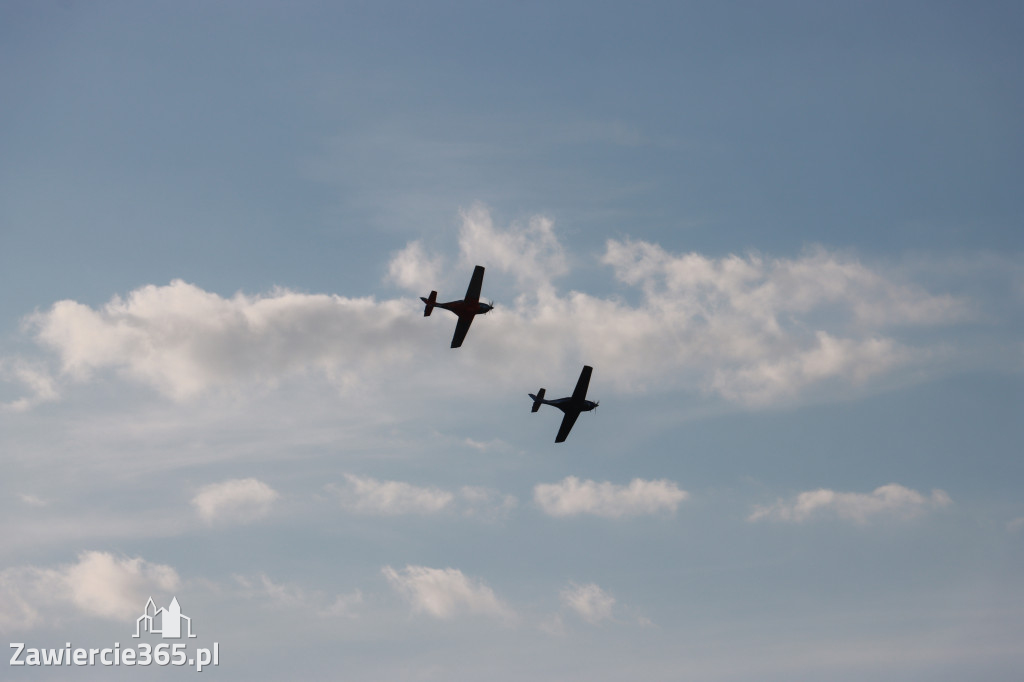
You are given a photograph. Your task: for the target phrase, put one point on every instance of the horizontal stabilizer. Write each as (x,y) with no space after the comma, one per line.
(430,303)
(537,400)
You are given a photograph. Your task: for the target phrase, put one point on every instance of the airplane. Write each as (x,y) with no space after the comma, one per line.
(572,406)
(466,309)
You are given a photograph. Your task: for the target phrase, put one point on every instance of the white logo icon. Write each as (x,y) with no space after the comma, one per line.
(163,622)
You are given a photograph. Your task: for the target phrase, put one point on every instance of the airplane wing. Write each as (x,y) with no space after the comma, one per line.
(475,284)
(461,327)
(582,384)
(567,421)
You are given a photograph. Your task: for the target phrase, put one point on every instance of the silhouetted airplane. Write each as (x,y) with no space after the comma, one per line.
(572,406)
(466,309)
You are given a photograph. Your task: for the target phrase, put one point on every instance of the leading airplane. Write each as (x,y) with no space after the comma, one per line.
(572,406)
(466,309)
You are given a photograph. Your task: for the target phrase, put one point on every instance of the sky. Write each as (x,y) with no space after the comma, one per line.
(787,236)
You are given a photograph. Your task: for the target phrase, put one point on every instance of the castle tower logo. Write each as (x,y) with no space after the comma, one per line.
(164,622)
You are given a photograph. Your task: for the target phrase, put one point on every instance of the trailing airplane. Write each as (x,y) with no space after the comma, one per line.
(466,309)
(572,406)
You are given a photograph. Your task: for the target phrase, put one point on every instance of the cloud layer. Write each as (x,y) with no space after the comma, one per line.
(572,496)
(261,588)
(887,500)
(589,602)
(748,328)
(366,495)
(183,340)
(238,500)
(751,329)
(445,592)
(99,584)
(34,377)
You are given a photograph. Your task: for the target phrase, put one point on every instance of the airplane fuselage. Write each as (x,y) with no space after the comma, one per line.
(568,404)
(465,308)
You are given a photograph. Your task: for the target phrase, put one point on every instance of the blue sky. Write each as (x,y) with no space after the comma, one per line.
(787,237)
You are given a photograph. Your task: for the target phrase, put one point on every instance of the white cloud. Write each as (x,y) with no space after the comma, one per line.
(239,500)
(531,252)
(112,587)
(99,584)
(34,377)
(411,268)
(769,328)
(751,329)
(32,500)
(589,601)
(366,495)
(445,592)
(183,340)
(289,596)
(572,496)
(486,503)
(759,289)
(886,500)
(761,382)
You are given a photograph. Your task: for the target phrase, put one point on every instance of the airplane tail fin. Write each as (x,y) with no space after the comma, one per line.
(537,400)
(430,303)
